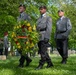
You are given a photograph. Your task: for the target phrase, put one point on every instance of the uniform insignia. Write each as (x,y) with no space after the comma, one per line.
(44,15)
(50,20)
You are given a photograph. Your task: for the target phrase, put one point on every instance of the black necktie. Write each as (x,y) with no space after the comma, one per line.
(41,16)
(20,15)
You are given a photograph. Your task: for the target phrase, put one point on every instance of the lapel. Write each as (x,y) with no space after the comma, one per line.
(41,19)
(61,21)
(58,21)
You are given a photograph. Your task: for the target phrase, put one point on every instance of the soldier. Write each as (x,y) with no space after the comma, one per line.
(23,16)
(63,27)
(44,27)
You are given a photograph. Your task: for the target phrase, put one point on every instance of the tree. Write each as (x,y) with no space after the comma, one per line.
(8,14)
(69,7)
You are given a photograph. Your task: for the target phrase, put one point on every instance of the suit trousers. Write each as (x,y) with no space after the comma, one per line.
(6,52)
(23,58)
(1,51)
(62,47)
(43,52)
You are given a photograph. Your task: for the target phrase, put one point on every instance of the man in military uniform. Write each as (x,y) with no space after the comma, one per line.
(63,27)
(23,16)
(44,27)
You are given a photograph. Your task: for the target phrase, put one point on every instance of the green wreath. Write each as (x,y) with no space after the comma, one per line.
(24,36)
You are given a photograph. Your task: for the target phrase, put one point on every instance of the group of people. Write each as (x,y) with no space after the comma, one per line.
(44,27)
(4,44)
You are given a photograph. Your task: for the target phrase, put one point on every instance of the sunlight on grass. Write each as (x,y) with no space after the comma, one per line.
(6,72)
(9,67)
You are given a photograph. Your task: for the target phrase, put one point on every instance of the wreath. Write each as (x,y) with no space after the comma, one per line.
(24,36)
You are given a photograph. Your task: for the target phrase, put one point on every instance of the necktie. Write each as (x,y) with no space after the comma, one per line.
(20,15)
(41,16)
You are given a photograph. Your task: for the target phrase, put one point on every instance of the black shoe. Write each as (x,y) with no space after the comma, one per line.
(49,66)
(64,61)
(39,67)
(28,62)
(20,66)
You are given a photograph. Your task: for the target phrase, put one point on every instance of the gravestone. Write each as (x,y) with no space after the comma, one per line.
(56,52)
(69,52)
(2,57)
(73,52)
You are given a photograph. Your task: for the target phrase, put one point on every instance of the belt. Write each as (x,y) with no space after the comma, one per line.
(61,32)
(43,29)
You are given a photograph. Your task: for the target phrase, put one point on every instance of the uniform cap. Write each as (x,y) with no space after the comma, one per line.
(60,11)
(22,5)
(42,7)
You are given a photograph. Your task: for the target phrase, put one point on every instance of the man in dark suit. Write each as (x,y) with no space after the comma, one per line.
(44,27)
(23,16)
(63,27)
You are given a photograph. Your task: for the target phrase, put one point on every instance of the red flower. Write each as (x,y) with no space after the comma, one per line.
(25,42)
(16,42)
(23,26)
(23,30)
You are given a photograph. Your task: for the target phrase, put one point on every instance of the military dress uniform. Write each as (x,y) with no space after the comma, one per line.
(63,27)
(44,27)
(24,16)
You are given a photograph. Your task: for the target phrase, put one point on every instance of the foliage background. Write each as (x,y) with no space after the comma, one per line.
(9,13)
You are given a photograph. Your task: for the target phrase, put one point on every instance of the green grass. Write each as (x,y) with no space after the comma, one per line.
(9,67)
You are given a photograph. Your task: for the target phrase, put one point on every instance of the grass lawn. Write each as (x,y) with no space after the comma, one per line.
(9,67)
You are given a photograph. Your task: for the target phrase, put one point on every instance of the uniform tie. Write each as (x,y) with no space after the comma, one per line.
(41,16)
(20,15)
